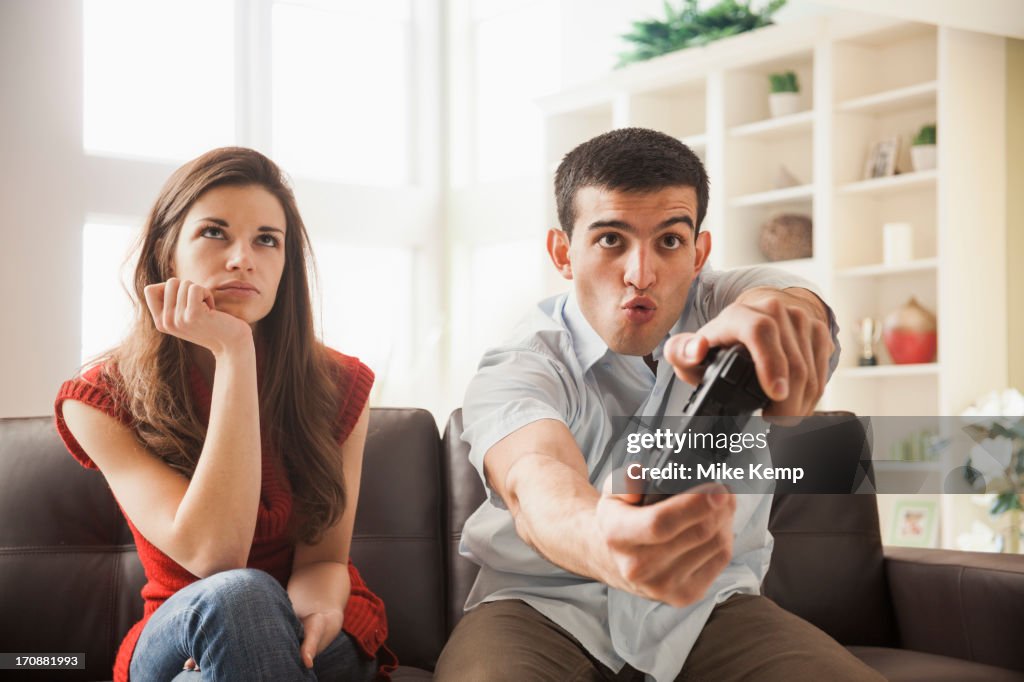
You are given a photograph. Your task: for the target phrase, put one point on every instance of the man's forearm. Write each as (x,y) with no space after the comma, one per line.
(554,507)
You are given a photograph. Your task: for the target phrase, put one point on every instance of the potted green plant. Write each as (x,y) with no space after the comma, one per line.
(923,151)
(785,95)
(694,25)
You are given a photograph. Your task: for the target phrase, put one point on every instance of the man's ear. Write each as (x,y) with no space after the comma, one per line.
(558,250)
(703,249)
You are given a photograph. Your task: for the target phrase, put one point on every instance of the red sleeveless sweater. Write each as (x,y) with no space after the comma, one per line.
(272,551)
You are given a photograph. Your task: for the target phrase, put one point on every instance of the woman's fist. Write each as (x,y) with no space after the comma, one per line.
(188,311)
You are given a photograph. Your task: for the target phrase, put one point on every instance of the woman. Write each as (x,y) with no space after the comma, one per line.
(233,442)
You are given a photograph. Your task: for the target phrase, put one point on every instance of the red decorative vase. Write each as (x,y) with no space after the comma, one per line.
(910,334)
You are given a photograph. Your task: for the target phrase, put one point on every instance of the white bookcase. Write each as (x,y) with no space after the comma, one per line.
(862,79)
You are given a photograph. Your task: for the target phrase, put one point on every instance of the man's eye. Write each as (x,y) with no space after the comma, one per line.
(609,240)
(671,241)
(268,240)
(213,233)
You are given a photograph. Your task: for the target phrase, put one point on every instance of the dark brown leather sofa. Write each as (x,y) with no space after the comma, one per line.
(70,576)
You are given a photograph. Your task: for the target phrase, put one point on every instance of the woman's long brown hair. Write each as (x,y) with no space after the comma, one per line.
(298,380)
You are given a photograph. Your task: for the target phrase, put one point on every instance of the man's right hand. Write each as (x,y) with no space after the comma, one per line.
(670,551)
(187,310)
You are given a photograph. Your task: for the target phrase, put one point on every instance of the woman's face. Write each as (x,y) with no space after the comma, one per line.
(232,242)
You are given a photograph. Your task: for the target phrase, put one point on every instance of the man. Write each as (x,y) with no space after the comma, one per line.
(576,583)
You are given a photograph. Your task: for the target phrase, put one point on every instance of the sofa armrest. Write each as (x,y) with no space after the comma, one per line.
(964,604)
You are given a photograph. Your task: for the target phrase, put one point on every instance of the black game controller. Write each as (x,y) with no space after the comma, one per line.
(727,396)
(729,387)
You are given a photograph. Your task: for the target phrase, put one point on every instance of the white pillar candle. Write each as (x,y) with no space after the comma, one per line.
(897,243)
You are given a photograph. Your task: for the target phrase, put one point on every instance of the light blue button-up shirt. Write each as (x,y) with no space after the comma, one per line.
(556,366)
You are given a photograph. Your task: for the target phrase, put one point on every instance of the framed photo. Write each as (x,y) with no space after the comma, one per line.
(915,523)
(881,161)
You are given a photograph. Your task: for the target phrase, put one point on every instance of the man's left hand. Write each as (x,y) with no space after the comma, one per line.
(787,334)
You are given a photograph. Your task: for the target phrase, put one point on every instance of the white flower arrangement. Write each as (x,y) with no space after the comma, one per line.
(996,463)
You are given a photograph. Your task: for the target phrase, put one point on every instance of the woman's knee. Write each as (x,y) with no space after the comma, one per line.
(242,591)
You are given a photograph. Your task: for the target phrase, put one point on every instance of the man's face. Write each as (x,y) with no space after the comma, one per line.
(632,259)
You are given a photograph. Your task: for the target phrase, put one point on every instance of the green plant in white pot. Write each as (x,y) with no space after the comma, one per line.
(785,95)
(923,152)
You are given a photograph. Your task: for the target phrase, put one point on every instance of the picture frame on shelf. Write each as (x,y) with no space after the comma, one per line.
(881,159)
(915,523)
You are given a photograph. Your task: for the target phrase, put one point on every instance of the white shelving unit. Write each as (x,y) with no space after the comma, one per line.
(862,79)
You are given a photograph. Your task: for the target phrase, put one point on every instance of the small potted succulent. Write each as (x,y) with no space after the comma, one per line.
(785,96)
(923,150)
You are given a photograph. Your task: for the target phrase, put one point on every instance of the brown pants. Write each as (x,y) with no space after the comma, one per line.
(747,637)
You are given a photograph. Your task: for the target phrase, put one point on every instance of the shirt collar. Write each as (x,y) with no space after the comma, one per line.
(586,342)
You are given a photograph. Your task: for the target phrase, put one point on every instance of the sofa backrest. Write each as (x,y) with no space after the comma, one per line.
(398,541)
(69,573)
(466,494)
(827,563)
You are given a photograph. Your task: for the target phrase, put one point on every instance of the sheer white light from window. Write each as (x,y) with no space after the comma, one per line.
(366,300)
(517,58)
(497,305)
(106,307)
(159,77)
(341,92)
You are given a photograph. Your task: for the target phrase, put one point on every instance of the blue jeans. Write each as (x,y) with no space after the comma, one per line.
(237,625)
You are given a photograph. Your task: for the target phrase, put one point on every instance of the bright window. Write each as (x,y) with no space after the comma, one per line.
(333,91)
(341,85)
(366,304)
(499,306)
(517,58)
(106,280)
(159,77)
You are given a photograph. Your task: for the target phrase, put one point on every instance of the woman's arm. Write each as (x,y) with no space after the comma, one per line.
(206,524)
(319,587)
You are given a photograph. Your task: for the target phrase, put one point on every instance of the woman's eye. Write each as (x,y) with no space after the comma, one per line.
(609,240)
(671,241)
(268,240)
(213,233)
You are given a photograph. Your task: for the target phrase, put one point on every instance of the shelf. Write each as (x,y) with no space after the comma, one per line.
(775,196)
(892,100)
(882,269)
(776,127)
(695,142)
(893,183)
(888,371)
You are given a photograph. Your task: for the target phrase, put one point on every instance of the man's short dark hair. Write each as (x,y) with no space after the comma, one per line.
(628,160)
